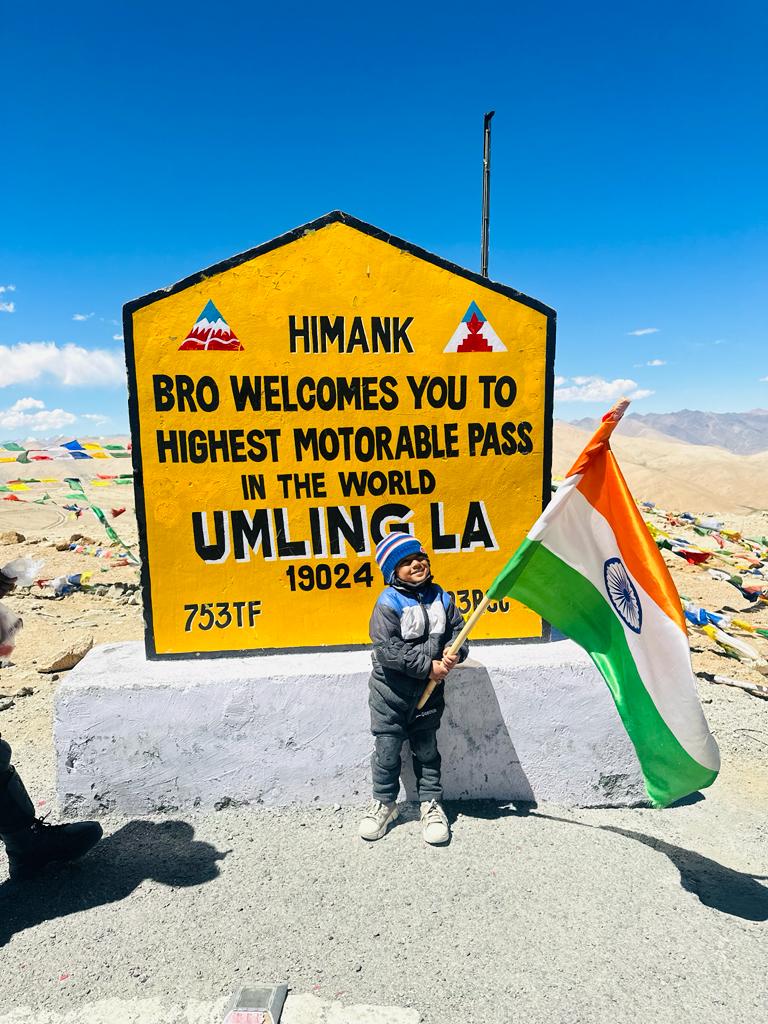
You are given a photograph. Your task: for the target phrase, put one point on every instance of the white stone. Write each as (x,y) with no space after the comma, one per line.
(523,722)
(69,656)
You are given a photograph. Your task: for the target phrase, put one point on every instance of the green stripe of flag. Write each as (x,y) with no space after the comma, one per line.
(562,596)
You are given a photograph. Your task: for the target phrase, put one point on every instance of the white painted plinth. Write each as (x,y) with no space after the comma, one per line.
(523,722)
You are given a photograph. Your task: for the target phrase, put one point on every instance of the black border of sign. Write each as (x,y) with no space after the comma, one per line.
(335,217)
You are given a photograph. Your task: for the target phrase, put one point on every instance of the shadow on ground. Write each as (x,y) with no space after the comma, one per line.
(166,852)
(717,886)
(489,810)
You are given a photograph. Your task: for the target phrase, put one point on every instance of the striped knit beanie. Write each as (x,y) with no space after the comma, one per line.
(393,549)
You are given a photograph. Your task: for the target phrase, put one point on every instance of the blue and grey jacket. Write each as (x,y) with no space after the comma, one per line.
(409,630)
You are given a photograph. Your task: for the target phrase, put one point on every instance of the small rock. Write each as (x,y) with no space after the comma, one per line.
(12,537)
(80,538)
(6,704)
(337,807)
(69,656)
(25,691)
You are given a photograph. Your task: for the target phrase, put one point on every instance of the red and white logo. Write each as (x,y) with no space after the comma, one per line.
(475,334)
(211,333)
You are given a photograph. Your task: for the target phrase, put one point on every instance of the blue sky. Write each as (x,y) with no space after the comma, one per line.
(142,142)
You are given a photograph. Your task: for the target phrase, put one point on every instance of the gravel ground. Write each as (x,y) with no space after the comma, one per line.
(541,914)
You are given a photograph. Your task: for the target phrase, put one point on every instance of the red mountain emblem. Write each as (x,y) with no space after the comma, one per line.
(474,334)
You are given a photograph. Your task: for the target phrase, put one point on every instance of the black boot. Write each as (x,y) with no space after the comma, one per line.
(29,842)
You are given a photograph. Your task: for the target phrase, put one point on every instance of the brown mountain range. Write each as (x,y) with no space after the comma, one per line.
(743,433)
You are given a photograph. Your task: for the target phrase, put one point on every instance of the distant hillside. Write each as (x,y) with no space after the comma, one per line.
(674,474)
(743,433)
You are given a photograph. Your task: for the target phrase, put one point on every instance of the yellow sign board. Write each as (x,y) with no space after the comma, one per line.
(291,406)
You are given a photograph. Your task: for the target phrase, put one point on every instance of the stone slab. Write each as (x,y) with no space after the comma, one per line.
(523,722)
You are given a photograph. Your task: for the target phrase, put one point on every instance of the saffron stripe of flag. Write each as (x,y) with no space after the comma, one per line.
(590,567)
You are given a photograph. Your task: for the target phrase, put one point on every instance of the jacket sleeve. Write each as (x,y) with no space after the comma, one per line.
(455,625)
(7,583)
(391,650)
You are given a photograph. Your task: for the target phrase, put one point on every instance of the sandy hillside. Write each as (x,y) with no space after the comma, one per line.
(107,610)
(677,475)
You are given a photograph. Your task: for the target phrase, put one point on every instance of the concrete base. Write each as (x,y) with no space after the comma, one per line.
(533,722)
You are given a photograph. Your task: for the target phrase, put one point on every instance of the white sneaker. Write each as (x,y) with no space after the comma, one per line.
(377,820)
(434,824)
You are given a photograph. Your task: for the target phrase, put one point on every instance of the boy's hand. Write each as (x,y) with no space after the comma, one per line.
(439,671)
(450,660)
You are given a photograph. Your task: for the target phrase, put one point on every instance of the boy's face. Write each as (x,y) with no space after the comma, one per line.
(413,568)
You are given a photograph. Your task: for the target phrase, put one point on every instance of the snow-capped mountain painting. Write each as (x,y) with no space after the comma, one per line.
(211,332)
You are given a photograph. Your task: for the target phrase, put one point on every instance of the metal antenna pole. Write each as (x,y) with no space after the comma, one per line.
(486,192)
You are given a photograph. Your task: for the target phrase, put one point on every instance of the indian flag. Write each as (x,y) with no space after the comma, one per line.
(590,567)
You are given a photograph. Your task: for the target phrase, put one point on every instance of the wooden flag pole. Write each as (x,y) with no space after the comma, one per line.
(468,627)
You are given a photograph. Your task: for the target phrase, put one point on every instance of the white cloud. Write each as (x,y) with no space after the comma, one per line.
(597,389)
(559,381)
(95,417)
(82,316)
(7,307)
(18,417)
(643,330)
(117,337)
(7,288)
(653,362)
(68,364)
(764,380)
(24,404)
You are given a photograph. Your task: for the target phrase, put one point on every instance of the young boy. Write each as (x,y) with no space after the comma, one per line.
(414,621)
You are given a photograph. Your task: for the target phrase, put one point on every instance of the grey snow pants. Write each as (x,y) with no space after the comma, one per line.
(394,719)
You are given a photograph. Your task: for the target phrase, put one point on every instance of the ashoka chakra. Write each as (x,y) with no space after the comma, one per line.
(622,594)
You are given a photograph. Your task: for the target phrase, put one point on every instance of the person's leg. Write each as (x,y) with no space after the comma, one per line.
(385,767)
(426,767)
(385,772)
(29,842)
(426,764)
(389,715)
